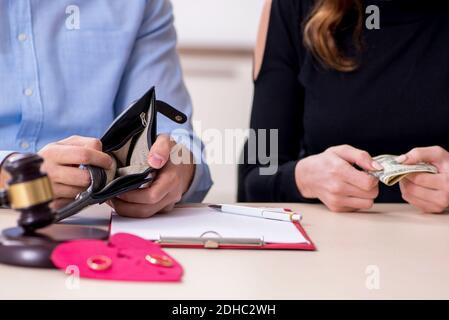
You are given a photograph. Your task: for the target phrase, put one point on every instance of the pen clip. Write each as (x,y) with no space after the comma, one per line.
(280,210)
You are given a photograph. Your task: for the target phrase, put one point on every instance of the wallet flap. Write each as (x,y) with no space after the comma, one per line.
(170,112)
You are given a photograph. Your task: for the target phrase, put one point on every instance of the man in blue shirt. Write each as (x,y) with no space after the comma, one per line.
(68,68)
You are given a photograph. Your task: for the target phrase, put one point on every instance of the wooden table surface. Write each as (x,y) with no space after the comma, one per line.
(390,251)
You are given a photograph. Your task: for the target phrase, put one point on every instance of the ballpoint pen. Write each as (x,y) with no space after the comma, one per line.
(279,214)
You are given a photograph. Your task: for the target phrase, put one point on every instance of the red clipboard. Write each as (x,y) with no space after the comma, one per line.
(306,246)
(216,243)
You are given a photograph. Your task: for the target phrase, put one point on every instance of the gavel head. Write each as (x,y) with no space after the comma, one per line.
(29,191)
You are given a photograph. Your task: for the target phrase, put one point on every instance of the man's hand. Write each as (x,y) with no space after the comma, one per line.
(331,177)
(171,182)
(61,162)
(428,192)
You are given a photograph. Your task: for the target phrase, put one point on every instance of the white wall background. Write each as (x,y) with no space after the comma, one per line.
(220,85)
(217,23)
(221,90)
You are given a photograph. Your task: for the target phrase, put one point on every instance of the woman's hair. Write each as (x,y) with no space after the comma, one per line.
(320,32)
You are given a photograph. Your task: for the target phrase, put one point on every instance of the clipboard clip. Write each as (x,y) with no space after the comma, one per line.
(211,240)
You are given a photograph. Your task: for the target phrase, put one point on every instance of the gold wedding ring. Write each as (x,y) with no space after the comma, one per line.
(99,263)
(159,260)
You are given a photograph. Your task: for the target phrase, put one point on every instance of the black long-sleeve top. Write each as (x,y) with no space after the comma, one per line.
(397,99)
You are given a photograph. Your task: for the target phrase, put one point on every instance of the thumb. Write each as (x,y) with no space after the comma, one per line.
(357,156)
(160,151)
(417,155)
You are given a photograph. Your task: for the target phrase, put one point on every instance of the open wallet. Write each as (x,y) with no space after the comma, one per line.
(128,140)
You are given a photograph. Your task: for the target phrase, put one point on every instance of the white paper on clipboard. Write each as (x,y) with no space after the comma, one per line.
(195,221)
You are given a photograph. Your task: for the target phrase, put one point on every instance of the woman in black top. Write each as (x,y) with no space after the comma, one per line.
(339,92)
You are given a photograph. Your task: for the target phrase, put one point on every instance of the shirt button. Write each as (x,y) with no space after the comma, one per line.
(24,145)
(22,37)
(28,92)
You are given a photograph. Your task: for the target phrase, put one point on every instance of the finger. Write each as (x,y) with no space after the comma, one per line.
(416,191)
(160,151)
(65,191)
(340,209)
(413,191)
(153,194)
(357,203)
(68,175)
(137,210)
(88,142)
(76,155)
(427,154)
(356,192)
(348,204)
(356,156)
(428,180)
(421,204)
(168,208)
(357,178)
(60,203)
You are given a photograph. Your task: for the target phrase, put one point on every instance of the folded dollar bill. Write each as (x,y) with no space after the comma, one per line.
(393,171)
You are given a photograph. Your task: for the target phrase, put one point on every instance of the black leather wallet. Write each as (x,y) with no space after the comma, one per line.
(128,140)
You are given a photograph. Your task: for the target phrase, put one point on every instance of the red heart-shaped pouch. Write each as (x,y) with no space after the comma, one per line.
(124,257)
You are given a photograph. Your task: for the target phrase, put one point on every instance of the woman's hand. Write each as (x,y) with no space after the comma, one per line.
(171,182)
(61,162)
(331,177)
(426,191)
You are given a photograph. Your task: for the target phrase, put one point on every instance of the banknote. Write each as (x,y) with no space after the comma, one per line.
(393,171)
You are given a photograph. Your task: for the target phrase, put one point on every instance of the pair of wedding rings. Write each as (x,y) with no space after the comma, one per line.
(101,263)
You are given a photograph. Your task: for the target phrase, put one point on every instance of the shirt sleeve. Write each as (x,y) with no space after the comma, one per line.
(277,104)
(155,62)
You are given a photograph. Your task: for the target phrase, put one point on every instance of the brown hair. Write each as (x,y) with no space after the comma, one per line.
(321,27)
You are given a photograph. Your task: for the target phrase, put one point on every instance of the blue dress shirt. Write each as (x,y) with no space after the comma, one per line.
(69,67)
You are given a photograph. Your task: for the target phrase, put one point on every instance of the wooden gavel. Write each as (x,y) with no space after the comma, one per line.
(29,192)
